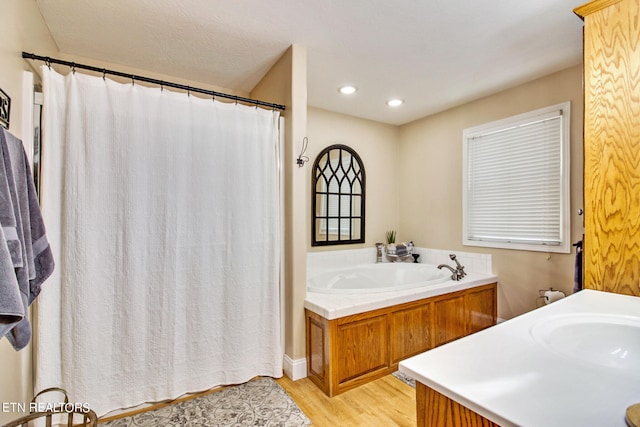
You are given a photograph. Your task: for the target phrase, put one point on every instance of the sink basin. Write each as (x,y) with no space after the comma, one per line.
(601,339)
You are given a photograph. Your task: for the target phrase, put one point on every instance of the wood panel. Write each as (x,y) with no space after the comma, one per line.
(410,332)
(317,348)
(449,320)
(482,309)
(612,147)
(353,350)
(363,348)
(318,332)
(436,410)
(593,6)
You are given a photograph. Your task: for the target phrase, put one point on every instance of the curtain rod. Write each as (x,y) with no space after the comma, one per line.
(160,83)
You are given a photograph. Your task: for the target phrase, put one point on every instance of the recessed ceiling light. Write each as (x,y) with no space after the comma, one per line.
(395,102)
(347,90)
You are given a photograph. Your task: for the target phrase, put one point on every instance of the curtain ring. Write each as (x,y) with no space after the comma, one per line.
(188,91)
(133,80)
(104,74)
(73,67)
(161,86)
(47,62)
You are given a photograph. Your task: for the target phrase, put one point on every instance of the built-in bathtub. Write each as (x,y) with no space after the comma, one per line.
(335,288)
(374,278)
(361,321)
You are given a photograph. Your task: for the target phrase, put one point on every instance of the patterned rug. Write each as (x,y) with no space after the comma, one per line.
(405,379)
(260,402)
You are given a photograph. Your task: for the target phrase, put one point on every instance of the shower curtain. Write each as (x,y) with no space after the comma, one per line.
(163,212)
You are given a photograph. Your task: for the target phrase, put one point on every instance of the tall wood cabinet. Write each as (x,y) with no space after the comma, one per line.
(612,145)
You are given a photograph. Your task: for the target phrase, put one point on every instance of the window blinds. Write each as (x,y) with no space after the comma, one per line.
(514,186)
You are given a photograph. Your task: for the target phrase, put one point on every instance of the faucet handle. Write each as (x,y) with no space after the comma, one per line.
(459,268)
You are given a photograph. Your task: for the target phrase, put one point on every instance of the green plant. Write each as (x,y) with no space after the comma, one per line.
(391,237)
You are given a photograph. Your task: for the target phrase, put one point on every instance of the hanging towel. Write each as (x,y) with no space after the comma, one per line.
(11,305)
(24,242)
(577,274)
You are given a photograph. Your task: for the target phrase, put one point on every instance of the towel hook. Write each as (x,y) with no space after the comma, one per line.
(302,159)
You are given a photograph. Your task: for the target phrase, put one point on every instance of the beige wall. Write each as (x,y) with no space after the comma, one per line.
(22,30)
(286,83)
(378,147)
(414,181)
(431,190)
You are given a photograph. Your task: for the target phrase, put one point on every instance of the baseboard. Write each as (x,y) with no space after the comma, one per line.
(294,369)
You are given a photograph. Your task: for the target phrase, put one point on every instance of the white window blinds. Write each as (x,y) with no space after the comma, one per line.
(516,182)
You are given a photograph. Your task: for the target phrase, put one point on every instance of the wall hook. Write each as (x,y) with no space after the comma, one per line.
(302,159)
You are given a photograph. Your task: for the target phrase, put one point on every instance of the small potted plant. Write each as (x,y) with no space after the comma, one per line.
(391,242)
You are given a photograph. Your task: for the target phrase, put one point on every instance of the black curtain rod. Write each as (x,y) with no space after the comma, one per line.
(160,83)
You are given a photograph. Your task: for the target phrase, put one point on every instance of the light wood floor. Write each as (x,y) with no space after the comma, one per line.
(387,402)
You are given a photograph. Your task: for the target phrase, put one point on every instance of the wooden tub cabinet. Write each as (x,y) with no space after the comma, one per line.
(349,351)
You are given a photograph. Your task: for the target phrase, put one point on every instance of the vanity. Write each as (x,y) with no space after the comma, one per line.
(575,362)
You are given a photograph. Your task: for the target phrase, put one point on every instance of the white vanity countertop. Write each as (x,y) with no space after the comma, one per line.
(333,306)
(575,362)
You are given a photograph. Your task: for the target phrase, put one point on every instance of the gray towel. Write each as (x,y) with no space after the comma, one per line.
(25,237)
(11,304)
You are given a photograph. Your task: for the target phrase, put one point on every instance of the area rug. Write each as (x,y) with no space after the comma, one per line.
(405,379)
(260,402)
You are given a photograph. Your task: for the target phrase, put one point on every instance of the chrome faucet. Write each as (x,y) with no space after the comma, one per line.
(459,267)
(379,247)
(458,272)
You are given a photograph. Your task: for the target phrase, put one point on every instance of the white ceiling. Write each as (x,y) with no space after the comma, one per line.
(434,54)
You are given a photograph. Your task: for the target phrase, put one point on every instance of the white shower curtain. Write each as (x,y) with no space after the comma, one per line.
(163,214)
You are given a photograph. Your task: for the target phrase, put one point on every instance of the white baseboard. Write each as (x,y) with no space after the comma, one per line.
(294,369)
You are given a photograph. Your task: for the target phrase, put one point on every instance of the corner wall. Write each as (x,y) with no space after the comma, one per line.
(377,144)
(431,190)
(286,83)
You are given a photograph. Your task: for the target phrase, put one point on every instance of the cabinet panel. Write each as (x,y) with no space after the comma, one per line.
(410,332)
(481,309)
(611,146)
(350,351)
(363,347)
(316,350)
(450,319)
(435,409)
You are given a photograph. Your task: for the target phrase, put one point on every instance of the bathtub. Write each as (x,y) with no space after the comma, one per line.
(372,278)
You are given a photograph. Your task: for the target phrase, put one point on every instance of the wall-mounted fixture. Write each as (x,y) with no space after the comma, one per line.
(338,197)
(302,159)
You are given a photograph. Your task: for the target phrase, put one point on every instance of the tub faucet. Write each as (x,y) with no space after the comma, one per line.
(458,272)
(459,267)
(379,247)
